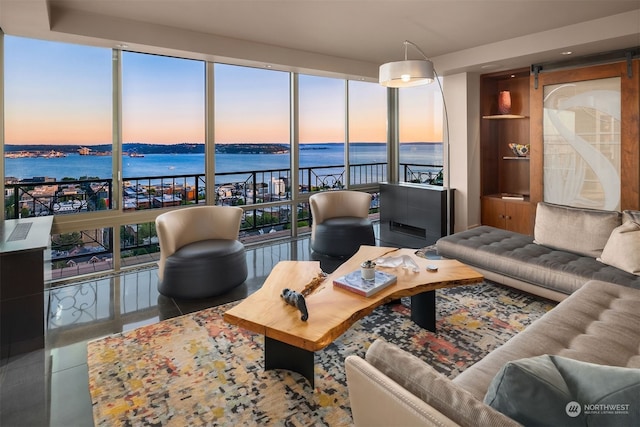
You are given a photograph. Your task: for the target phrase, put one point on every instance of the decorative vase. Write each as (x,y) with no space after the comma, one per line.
(504,102)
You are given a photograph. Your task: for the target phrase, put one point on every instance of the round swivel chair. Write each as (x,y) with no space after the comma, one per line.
(340,222)
(200,254)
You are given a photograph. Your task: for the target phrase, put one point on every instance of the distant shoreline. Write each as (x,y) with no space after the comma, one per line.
(227,165)
(182,148)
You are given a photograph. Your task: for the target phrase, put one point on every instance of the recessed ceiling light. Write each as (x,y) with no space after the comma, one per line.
(122,46)
(567,52)
(268,66)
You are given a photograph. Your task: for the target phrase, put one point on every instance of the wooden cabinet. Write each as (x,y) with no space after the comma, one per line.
(501,171)
(512,215)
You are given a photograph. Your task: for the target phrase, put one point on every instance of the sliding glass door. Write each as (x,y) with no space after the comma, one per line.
(585,134)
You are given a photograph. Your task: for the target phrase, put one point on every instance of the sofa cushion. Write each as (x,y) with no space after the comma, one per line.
(623,248)
(432,387)
(578,230)
(515,256)
(597,324)
(553,390)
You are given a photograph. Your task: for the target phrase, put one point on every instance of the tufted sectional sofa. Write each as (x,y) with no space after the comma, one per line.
(599,323)
(589,261)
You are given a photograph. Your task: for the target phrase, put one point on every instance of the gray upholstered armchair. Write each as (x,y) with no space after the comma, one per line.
(200,254)
(340,222)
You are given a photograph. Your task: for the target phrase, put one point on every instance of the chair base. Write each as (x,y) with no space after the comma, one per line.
(342,237)
(204,269)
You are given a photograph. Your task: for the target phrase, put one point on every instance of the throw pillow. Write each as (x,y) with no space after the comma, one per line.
(623,248)
(578,230)
(554,390)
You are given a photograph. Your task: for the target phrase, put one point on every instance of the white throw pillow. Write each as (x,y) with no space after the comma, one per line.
(623,248)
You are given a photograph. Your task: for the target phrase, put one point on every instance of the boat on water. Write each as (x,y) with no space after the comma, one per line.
(19,154)
(133,154)
(53,154)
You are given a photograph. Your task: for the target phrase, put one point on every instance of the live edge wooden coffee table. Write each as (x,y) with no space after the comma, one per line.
(290,343)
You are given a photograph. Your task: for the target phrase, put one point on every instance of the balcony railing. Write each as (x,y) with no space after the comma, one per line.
(57,197)
(154,192)
(424,174)
(88,250)
(232,188)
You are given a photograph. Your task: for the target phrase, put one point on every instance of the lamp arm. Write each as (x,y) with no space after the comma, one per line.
(447,151)
(446,145)
(407,43)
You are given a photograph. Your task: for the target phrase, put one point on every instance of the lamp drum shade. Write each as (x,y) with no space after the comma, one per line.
(406,73)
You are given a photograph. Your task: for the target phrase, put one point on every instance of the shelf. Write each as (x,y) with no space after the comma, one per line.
(502,170)
(504,116)
(525,198)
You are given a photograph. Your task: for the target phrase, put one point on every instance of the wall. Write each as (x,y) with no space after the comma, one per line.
(462,95)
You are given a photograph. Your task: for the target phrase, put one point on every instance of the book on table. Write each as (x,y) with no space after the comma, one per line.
(355,283)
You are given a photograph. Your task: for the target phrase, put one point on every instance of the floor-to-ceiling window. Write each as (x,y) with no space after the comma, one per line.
(130,129)
(58,135)
(163,143)
(421,134)
(163,131)
(252,138)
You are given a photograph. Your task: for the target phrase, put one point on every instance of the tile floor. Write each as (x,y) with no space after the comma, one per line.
(50,387)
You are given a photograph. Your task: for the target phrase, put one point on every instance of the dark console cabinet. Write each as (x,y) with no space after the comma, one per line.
(413,215)
(22,253)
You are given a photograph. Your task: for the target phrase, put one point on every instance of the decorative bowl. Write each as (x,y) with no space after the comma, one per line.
(520,150)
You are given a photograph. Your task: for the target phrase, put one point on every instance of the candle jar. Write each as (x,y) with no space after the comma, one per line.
(368,270)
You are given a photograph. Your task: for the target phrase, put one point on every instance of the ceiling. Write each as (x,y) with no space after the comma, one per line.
(345,37)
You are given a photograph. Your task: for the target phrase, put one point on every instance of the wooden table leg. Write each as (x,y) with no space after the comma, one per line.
(423,310)
(279,355)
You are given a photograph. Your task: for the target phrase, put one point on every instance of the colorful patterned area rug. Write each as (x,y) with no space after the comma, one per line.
(197,370)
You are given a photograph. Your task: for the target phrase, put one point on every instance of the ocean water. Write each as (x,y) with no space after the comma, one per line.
(75,166)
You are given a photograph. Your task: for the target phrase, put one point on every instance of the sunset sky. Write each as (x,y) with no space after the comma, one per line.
(59,93)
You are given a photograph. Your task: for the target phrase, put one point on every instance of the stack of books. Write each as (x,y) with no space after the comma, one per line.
(355,283)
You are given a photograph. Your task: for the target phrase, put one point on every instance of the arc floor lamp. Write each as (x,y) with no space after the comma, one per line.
(411,73)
